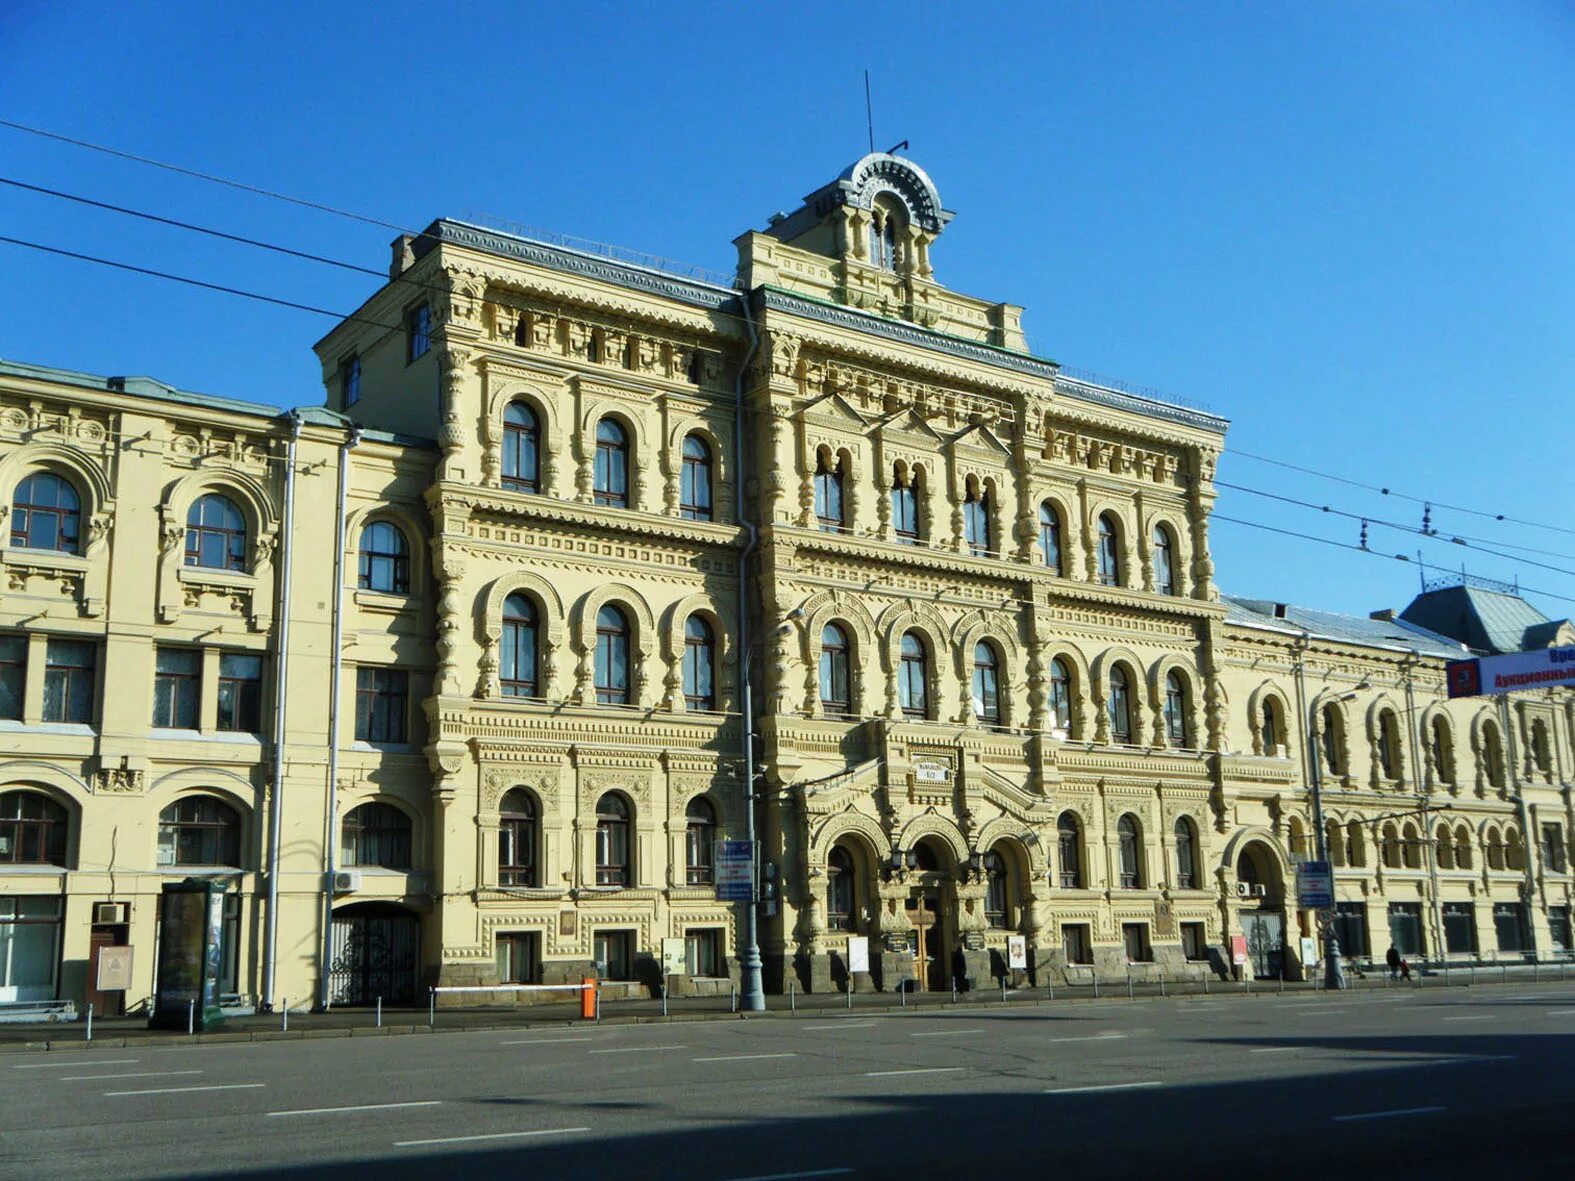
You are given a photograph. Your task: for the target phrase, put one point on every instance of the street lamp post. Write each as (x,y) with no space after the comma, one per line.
(1333,974)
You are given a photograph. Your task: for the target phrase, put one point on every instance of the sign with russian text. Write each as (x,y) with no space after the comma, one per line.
(1514,670)
(1314,885)
(1017,952)
(931,773)
(735,871)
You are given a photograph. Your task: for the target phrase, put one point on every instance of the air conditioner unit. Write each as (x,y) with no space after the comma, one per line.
(112,913)
(1244,889)
(347,881)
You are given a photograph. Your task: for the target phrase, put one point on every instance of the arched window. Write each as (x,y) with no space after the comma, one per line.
(32,829)
(1273,732)
(384,559)
(1541,751)
(376,835)
(1069,841)
(1296,837)
(883,231)
(1389,849)
(835,695)
(1108,555)
(521,448)
(517,839)
(1493,754)
(1462,847)
(694,500)
(904,507)
(1410,847)
(1514,851)
(1118,706)
(612,657)
(1060,696)
(1050,537)
(518,647)
(1443,752)
(1495,849)
(997,903)
(611,475)
(1131,852)
(699,842)
(1388,746)
(1186,855)
(612,840)
(199,830)
(828,494)
(215,534)
(46,514)
(1334,836)
(1176,711)
(1356,846)
(976,521)
(1164,566)
(986,684)
(1333,740)
(1446,848)
(699,665)
(913,677)
(840,890)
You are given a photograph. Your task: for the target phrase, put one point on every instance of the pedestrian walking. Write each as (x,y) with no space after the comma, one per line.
(1393,960)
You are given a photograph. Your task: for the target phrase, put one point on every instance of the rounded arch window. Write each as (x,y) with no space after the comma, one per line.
(885,229)
(913,677)
(199,830)
(1069,848)
(700,842)
(976,519)
(1129,839)
(986,684)
(215,534)
(46,514)
(610,485)
(1273,728)
(841,883)
(694,486)
(1493,754)
(1462,847)
(377,836)
(1333,752)
(521,448)
(1388,745)
(1445,846)
(1176,730)
(1334,837)
(1390,851)
(612,656)
(1163,556)
(699,672)
(1107,551)
(33,829)
(1356,846)
(1186,855)
(613,863)
(1443,752)
(1118,706)
(1060,696)
(383,560)
(518,837)
(829,508)
(905,505)
(518,646)
(835,687)
(1410,847)
(997,890)
(1050,537)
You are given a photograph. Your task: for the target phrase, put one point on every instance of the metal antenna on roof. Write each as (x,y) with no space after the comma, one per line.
(869,112)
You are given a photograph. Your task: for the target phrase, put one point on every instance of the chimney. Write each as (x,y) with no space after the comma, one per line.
(404,256)
(1387,615)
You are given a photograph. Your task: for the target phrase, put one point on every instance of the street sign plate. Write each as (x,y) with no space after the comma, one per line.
(1314,885)
(735,871)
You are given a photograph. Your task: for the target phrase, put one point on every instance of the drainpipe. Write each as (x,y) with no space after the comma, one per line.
(753,996)
(1425,790)
(280,665)
(336,668)
(1307,739)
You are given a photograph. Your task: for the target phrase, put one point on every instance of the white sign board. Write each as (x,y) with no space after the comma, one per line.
(675,961)
(931,773)
(114,969)
(858,953)
(1309,950)
(1536,669)
(1017,951)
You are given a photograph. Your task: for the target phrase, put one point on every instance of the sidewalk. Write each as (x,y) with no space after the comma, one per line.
(117,1032)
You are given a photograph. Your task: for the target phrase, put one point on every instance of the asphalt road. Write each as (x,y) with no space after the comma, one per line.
(1460,1082)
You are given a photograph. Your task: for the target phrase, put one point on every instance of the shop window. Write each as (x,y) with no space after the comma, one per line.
(29,947)
(997,903)
(1460,928)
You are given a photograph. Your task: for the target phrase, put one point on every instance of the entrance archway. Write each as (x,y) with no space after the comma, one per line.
(376,951)
(1261,890)
(932,911)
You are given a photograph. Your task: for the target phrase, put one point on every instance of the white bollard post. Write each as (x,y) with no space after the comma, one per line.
(1003,990)
(431,1006)
(732,997)
(284,1015)
(380,1012)
(663,987)
(850,992)
(90,1021)
(191,1017)
(792,997)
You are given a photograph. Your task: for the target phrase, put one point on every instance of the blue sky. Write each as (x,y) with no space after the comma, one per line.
(1346,227)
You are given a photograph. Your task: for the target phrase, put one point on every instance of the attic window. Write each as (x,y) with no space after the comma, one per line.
(885,222)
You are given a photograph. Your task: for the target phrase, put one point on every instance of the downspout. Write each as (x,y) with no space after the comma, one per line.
(753,996)
(336,667)
(281,666)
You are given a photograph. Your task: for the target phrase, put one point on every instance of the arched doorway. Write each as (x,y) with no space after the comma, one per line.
(1261,892)
(932,911)
(376,951)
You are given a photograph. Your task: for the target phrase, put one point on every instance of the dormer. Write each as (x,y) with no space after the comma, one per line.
(864,241)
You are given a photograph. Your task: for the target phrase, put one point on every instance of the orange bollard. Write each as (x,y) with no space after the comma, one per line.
(588,998)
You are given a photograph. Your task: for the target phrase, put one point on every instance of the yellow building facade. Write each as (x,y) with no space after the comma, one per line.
(445,679)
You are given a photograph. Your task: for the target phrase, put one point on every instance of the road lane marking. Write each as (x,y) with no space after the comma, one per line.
(188,1090)
(78,1064)
(947,1032)
(795,1176)
(741,1057)
(1549,1013)
(357,1107)
(1386,1114)
(487,1136)
(1105,1087)
(916,1070)
(1474,1017)
(1093,1037)
(637,1049)
(83,1078)
(1315,1012)
(1274,1050)
(547,1041)
(839,1025)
